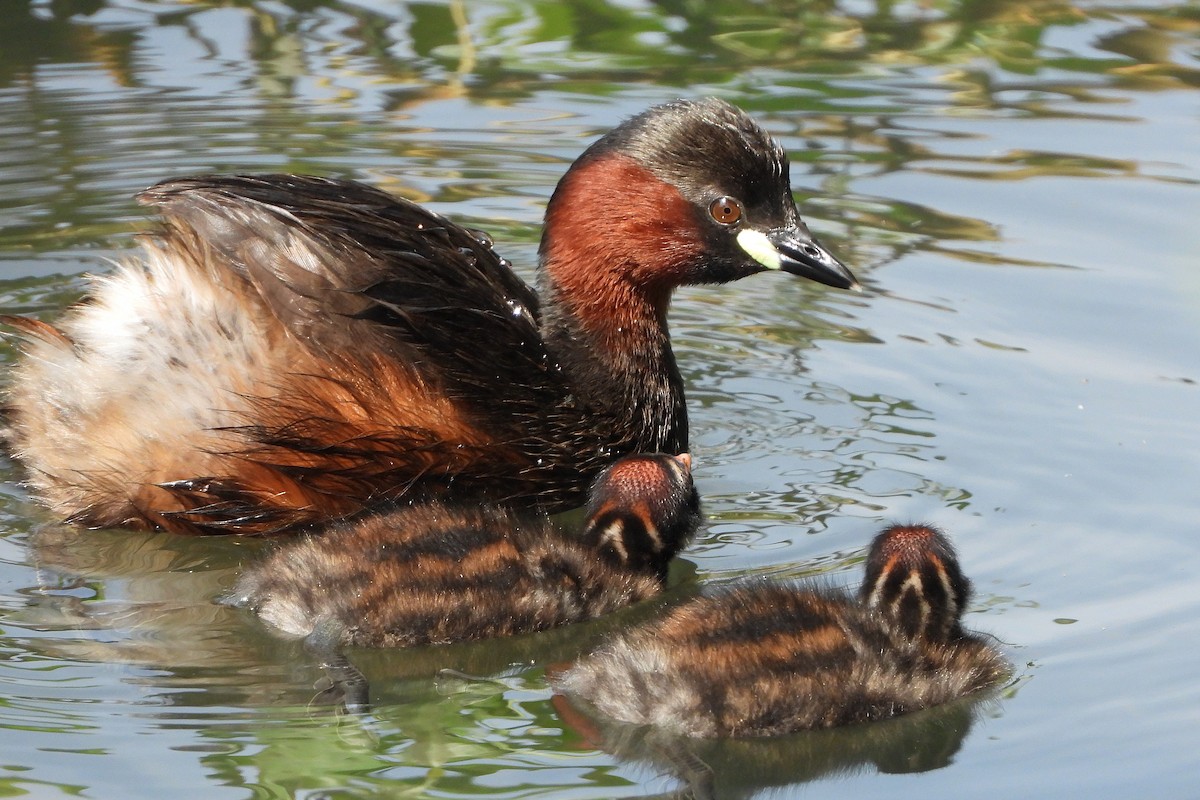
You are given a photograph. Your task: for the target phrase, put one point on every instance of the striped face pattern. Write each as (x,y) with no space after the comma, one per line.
(913,580)
(639,508)
(764,658)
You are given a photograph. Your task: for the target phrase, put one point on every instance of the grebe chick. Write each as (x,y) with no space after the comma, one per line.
(763,659)
(433,574)
(293,350)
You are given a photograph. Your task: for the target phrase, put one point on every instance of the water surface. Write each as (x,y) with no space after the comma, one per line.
(1016,183)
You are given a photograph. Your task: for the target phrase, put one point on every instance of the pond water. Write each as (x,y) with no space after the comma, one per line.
(1017,184)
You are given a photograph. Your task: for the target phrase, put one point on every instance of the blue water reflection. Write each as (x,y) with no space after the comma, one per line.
(1016,184)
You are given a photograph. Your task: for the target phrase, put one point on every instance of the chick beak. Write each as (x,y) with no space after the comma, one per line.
(794,250)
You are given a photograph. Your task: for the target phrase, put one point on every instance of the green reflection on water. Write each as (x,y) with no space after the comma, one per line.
(480,107)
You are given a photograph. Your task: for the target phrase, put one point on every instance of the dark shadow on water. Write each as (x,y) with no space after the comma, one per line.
(153,601)
(712,769)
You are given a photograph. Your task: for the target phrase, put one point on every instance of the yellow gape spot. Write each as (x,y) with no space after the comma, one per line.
(759,247)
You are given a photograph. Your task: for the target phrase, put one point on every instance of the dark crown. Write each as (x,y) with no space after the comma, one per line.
(642,511)
(914,581)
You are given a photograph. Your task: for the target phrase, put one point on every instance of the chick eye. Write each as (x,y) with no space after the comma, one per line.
(725,210)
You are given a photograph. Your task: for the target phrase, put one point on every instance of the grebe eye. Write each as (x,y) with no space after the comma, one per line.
(725,210)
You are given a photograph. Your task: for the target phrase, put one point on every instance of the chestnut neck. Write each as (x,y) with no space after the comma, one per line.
(617,242)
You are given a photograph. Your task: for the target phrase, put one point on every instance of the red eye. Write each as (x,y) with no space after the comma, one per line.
(725,210)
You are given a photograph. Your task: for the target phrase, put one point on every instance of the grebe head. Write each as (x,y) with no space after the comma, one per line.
(914,581)
(686,192)
(643,510)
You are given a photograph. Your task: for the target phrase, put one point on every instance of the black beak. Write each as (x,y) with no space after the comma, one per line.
(801,254)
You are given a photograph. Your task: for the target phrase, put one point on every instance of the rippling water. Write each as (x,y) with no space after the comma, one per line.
(1016,183)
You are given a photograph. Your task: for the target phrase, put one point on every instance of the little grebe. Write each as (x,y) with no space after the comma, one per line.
(430,574)
(297,349)
(763,659)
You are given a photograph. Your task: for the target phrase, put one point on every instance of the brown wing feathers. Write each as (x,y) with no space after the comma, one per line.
(406,317)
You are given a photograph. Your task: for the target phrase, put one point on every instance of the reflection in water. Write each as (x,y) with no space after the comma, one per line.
(146,601)
(395,58)
(142,600)
(35,34)
(922,133)
(689,43)
(732,768)
(151,601)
